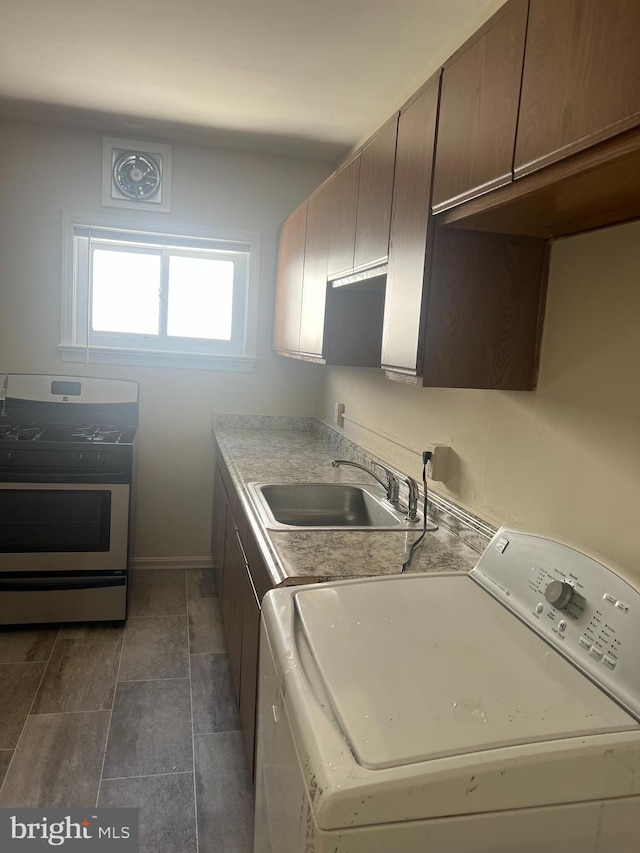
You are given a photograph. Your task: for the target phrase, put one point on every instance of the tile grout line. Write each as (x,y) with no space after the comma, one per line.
(35,695)
(147,776)
(193,736)
(218,732)
(200,654)
(66,713)
(113,702)
(155,616)
(146,680)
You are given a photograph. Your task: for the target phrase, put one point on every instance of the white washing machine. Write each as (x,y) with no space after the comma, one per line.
(452,713)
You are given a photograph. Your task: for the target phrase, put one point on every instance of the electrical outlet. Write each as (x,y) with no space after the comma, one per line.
(438,465)
(338,414)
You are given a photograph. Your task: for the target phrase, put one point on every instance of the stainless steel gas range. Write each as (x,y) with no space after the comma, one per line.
(66,471)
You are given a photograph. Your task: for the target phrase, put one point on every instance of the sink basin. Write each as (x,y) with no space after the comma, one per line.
(325,506)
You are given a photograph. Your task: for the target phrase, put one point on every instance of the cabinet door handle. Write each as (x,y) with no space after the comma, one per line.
(274,711)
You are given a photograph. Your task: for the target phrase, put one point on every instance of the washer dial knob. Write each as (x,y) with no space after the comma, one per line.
(559,594)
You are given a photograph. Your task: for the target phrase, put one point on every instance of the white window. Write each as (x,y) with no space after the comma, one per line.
(141,296)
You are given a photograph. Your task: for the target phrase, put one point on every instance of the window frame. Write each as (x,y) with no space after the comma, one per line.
(80,344)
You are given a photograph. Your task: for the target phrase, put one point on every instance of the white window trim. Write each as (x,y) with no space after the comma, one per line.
(71,349)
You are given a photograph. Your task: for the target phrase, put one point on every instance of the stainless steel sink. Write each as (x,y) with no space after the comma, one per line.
(324,506)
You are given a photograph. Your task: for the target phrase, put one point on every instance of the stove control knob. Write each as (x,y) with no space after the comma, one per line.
(559,594)
(12,457)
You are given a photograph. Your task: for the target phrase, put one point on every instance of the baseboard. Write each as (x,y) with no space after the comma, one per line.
(172,563)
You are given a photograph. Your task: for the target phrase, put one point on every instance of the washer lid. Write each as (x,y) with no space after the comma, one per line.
(430,666)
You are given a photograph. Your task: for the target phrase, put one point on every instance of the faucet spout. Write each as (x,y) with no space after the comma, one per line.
(391,486)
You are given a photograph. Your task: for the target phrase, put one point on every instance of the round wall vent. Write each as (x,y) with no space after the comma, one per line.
(137,175)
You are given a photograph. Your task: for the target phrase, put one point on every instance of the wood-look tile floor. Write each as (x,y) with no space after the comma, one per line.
(142,715)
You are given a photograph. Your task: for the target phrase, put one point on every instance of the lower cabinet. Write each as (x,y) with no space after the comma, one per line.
(242,581)
(231,599)
(218,525)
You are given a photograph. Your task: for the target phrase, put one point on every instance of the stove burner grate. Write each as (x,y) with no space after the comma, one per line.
(78,433)
(21,432)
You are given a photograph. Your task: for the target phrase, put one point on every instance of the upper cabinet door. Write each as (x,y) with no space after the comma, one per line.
(581,81)
(479,110)
(410,221)
(377,163)
(343,191)
(288,304)
(314,285)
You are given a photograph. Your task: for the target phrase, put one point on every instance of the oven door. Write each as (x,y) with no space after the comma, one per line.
(61,527)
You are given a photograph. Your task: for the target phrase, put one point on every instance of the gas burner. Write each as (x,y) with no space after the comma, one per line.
(20,432)
(106,434)
(5,431)
(67,433)
(79,434)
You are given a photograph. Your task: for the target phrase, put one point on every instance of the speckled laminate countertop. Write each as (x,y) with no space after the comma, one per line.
(299,453)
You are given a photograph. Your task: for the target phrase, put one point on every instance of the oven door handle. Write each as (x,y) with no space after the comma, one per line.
(42,585)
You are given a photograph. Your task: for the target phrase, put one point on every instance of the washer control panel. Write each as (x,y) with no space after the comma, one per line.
(582,607)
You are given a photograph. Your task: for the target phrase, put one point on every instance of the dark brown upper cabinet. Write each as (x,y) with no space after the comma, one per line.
(479,110)
(411,224)
(462,309)
(577,154)
(345,219)
(361,194)
(485,298)
(581,81)
(288,299)
(314,321)
(375,192)
(342,188)
(314,280)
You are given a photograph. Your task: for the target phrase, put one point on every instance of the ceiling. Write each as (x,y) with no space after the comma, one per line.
(300,77)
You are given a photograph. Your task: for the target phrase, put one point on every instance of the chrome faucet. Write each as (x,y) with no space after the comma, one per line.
(392,486)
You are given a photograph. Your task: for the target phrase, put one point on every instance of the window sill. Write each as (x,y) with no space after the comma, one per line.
(150,358)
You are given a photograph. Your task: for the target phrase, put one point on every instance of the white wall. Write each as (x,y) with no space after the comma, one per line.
(45,170)
(564,459)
